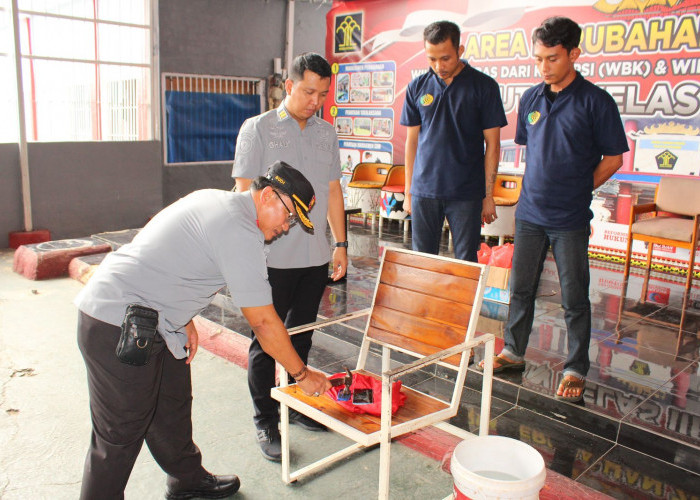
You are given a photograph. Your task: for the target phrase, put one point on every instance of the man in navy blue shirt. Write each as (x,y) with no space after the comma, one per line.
(450,112)
(575,141)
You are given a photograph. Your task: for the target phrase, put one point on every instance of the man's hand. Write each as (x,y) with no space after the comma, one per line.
(407,202)
(192,341)
(315,383)
(488,210)
(340,263)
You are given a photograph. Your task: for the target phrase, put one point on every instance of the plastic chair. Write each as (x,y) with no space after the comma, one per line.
(506,192)
(392,196)
(365,186)
(426,306)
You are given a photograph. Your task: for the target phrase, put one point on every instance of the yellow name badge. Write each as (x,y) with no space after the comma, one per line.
(426,100)
(533,117)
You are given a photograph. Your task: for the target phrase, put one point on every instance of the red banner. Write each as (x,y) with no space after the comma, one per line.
(644,53)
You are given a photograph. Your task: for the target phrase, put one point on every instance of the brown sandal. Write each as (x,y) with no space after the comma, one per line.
(573,383)
(503,364)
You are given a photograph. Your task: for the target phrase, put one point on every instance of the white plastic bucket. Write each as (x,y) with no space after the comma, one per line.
(495,467)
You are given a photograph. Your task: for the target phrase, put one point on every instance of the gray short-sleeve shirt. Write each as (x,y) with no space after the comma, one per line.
(179,260)
(273,136)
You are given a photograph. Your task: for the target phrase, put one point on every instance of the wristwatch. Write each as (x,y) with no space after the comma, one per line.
(343,244)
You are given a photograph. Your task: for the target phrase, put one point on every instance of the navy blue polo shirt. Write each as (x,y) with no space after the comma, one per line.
(565,142)
(449,162)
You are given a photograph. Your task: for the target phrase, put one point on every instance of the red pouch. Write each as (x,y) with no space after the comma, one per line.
(360,381)
(502,256)
(483,254)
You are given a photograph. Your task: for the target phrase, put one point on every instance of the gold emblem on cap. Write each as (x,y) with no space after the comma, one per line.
(296,199)
(303,218)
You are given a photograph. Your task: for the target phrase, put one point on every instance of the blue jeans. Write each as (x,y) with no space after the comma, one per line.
(570,250)
(464,217)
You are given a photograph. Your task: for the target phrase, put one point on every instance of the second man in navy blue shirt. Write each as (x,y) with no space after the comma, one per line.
(575,141)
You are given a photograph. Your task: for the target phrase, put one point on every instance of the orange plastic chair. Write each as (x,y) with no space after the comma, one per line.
(392,196)
(369,175)
(506,192)
(365,186)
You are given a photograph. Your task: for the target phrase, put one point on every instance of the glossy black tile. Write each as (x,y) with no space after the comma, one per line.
(330,354)
(468,415)
(663,290)
(656,343)
(578,415)
(671,412)
(565,449)
(650,441)
(343,334)
(624,473)
(617,382)
(505,385)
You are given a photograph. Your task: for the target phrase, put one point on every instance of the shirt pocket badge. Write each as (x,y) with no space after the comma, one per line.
(533,117)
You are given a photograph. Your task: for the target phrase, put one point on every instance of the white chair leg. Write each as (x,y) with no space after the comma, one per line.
(384,469)
(284,433)
(486,386)
(385,431)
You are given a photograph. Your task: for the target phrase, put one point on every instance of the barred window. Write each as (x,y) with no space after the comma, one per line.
(86,69)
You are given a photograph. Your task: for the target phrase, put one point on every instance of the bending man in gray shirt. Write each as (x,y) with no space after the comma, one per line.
(175,265)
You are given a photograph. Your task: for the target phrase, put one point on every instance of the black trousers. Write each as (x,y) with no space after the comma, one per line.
(296,295)
(130,404)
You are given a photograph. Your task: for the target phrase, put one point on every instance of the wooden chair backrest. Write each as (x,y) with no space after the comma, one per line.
(373,172)
(396,177)
(423,303)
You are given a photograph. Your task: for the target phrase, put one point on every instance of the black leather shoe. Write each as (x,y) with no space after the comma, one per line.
(305,422)
(270,443)
(210,486)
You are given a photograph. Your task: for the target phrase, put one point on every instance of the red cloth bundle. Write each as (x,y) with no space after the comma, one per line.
(360,381)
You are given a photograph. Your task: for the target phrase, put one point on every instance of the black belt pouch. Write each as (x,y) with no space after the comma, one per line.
(138,334)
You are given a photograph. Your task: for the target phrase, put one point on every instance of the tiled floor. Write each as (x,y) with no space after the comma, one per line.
(636,434)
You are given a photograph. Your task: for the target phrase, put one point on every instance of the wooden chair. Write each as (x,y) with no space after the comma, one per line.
(674,220)
(426,306)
